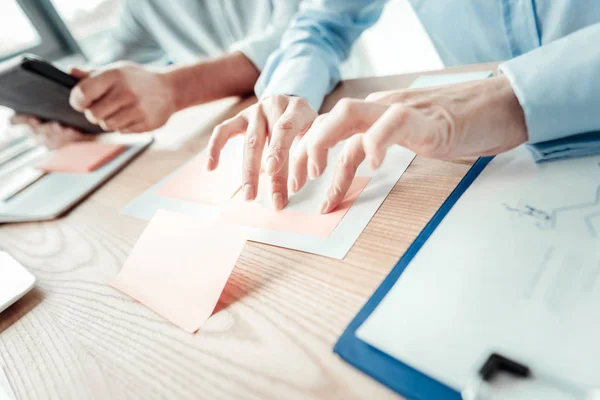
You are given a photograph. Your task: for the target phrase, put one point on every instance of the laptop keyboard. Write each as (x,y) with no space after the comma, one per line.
(18,154)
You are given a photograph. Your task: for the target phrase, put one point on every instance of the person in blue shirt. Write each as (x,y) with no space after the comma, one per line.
(215,49)
(548,90)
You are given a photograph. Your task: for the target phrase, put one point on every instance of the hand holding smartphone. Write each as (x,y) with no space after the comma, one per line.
(30,85)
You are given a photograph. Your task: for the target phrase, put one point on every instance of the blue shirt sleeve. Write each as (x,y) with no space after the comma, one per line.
(313,47)
(558,87)
(259,47)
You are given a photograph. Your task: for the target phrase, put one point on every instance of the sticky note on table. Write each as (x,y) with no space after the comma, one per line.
(194,183)
(81,157)
(180,265)
(259,214)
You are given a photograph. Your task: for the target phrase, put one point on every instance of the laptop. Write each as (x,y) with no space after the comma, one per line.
(27,194)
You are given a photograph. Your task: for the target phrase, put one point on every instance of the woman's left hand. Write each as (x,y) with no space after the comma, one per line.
(469,119)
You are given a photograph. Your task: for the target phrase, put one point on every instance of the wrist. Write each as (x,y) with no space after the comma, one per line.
(512,106)
(495,116)
(177,84)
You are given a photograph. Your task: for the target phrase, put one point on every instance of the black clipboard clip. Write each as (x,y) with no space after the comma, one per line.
(481,387)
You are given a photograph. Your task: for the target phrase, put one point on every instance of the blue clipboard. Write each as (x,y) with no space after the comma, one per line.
(394,374)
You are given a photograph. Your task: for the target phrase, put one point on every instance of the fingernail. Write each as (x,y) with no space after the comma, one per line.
(271,166)
(90,117)
(210,163)
(294,185)
(248,192)
(312,170)
(278,201)
(325,207)
(76,98)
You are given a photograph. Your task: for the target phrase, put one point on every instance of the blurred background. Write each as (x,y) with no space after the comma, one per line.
(54,29)
(66,31)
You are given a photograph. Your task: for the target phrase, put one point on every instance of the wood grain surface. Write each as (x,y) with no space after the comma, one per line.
(74,337)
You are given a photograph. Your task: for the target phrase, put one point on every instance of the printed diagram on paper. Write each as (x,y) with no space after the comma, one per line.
(585,214)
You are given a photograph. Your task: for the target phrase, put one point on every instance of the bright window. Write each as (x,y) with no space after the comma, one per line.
(16,31)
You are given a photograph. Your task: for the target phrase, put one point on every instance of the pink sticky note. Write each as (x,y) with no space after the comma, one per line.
(194,183)
(81,157)
(179,267)
(256,215)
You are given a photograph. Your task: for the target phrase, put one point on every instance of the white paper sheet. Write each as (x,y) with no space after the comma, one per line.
(513,268)
(310,198)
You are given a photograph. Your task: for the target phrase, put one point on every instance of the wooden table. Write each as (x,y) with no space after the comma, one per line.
(75,337)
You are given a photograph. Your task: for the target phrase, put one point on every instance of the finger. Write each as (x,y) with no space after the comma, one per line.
(256,136)
(350,159)
(380,96)
(24,119)
(347,118)
(39,136)
(298,173)
(221,135)
(66,136)
(295,121)
(121,119)
(396,126)
(135,127)
(78,72)
(279,188)
(110,104)
(90,89)
(19,119)
(274,107)
(73,135)
(53,135)
(34,122)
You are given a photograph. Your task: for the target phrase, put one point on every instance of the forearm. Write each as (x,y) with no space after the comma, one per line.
(230,75)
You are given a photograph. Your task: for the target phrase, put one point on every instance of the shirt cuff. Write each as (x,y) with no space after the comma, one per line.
(557,88)
(257,50)
(301,76)
(582,145)
(517,73)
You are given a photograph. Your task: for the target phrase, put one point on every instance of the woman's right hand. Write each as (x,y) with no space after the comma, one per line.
(49,134)
(52,134)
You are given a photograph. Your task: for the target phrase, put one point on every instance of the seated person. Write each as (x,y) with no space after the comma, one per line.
(548,90)
(217,48)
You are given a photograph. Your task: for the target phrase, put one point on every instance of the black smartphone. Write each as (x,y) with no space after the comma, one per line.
(31,85)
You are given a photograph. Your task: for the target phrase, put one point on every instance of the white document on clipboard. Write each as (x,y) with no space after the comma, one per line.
(513,268)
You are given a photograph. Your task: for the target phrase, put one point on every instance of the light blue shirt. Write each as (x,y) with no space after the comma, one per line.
(553,48)
(183,31)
